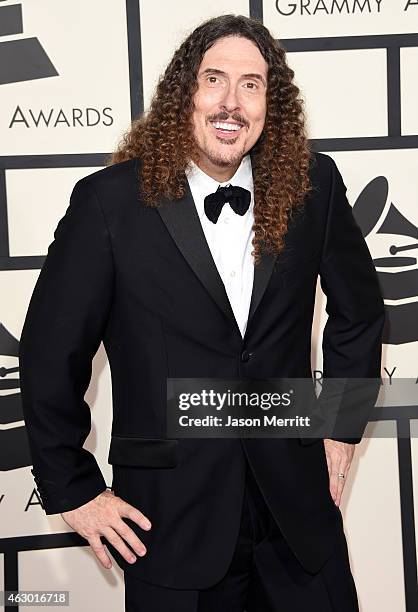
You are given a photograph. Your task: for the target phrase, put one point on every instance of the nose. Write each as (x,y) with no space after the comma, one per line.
(230,101)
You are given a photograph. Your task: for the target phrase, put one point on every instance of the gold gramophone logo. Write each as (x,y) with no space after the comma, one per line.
(21,58)
(14,446)
(396,263)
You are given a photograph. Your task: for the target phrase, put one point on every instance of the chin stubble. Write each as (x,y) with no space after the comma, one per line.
(224,162)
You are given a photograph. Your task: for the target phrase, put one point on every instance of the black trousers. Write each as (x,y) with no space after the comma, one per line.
(263,576)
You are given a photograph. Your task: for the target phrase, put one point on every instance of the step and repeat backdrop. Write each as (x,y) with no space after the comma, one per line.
(72,77)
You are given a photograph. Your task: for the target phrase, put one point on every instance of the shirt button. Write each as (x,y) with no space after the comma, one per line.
(226,220)
(232,273)
(245,356)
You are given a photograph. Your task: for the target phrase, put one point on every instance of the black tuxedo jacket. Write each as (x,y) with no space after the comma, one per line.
(143,281)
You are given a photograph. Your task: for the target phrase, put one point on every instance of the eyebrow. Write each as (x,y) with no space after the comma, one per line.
(249,75)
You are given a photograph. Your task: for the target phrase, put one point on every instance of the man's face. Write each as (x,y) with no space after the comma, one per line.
(230,102)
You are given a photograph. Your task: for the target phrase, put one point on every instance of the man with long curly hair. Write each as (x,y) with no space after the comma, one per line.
(195,254)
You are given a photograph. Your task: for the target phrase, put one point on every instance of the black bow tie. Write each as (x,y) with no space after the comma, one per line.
(239,200)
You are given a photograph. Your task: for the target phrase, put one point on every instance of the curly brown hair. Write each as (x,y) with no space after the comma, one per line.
(280,158)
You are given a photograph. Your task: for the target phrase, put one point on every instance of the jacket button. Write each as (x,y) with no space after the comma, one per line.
(245,356)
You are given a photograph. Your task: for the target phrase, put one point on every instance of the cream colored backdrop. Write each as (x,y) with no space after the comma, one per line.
(68,90)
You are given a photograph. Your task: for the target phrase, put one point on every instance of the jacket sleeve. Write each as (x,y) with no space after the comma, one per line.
(62,331)
(352,338)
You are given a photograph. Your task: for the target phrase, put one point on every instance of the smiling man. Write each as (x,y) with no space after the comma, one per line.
(195,254)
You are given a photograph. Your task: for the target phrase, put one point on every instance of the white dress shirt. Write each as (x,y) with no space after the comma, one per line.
(229,239)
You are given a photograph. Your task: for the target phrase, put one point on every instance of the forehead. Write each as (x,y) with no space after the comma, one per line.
(234,53)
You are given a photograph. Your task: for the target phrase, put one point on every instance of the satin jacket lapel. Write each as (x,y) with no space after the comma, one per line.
(182,221)
(262,274)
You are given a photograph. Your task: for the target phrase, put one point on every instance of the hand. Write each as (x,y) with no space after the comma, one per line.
(339,456)
(103,516)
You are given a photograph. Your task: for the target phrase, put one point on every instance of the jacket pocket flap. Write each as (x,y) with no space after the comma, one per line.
(143,452)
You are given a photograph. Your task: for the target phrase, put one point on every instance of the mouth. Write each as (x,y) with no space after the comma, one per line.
(227,129)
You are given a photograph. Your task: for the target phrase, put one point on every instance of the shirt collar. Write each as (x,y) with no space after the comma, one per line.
(202,184)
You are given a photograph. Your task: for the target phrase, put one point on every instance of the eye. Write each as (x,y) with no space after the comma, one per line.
(209,78)
(252,84)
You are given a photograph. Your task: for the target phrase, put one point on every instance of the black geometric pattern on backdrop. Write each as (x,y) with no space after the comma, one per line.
(401,319)
(23,59)
(14,445)
(402,415)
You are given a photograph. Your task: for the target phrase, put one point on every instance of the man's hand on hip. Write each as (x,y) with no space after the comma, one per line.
(102,516)
(339,456)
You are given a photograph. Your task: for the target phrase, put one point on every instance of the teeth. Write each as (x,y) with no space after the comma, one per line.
(233,127)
